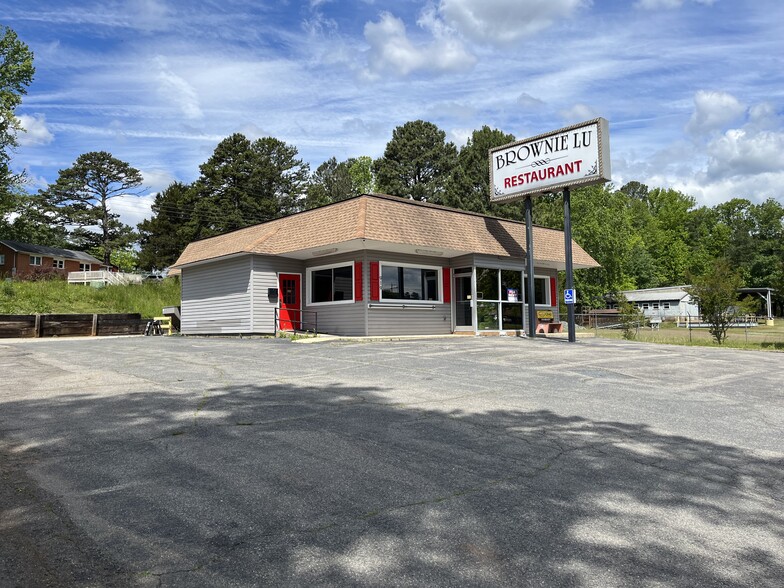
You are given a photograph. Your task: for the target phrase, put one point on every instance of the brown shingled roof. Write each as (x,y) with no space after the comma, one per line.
(387,219)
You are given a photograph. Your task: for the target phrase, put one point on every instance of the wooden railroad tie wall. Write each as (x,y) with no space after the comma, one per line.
(70,325)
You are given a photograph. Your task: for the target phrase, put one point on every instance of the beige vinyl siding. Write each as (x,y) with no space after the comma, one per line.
(216,297)
(265,276)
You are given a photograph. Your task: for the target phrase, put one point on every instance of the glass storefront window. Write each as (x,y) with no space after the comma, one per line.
(486,283)
(511,280)
(409,283)
(512,315)
(487,316)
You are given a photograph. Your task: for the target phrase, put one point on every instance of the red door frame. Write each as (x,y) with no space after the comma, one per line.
(290,301)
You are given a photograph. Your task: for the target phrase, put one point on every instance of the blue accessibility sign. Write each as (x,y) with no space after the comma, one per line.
(569,296)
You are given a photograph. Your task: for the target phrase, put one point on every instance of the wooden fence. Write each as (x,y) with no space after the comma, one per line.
(70,325)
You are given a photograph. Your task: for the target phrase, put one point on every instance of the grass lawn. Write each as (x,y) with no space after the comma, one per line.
(59,297)
(760,337)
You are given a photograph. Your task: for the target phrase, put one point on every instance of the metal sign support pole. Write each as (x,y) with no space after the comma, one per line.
(567,202)
(529,248)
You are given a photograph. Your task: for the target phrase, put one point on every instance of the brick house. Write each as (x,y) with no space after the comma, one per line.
(21,259)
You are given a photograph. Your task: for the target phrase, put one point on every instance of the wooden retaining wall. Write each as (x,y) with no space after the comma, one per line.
(70,325)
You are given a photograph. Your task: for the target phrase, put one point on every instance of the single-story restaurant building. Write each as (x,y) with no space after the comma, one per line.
(371,265)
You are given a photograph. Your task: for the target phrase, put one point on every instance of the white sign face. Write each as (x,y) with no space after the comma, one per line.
(574,156)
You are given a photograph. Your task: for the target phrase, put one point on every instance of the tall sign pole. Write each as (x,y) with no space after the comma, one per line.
(567,203)
(530,293)
(571,157)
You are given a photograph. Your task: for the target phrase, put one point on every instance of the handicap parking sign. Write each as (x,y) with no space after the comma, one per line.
(569,296)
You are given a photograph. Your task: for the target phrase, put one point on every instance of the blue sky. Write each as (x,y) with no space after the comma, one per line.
(693,89)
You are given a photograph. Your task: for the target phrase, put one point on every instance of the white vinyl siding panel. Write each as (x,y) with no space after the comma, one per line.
(216,297)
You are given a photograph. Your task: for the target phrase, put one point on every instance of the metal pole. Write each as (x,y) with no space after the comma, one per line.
(567,202)
(529,249)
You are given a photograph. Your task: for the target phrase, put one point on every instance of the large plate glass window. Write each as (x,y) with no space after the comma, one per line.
(409,283)
(331,284)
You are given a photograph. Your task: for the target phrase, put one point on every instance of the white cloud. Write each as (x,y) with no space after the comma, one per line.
(391,51)
(746,161)
(459,136)
(504,21)
(656,4)
(579,113)
(756,188)
(668,4)
(36,131)
(156,179)
(132,209)
(527,101)
(178,90)
(713,111)
(742,152)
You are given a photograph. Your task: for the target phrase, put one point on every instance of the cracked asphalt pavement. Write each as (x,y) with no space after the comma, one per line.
(174,461)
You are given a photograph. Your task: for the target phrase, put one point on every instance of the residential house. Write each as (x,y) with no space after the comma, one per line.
(21,259)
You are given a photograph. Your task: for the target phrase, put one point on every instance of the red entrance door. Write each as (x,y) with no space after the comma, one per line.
(290,302)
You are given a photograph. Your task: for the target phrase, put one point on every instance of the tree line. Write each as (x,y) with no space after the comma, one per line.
(643,237)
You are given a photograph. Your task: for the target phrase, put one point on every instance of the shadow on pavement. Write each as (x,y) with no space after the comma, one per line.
(297,485)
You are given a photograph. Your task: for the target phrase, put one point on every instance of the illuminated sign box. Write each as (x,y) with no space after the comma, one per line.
(574,156)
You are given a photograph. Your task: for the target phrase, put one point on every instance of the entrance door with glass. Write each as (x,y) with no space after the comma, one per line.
(464,312)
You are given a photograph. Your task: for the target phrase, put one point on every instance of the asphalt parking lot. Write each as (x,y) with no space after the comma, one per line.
(448,462)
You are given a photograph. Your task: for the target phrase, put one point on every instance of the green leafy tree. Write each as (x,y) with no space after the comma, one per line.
(127,260)
(468,187)
(37,222)
(331,182)
(602,226)
(630,316)
(166,234)
(16,74)
(245,183)
(416,163)
(361,171)
(716,293)
(280,174)
(334,181)
(82,195)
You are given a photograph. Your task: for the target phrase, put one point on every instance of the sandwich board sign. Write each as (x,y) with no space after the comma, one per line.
(575,156)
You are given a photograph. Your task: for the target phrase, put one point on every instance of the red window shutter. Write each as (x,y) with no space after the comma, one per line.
(447,285)
(553,293)
(357,281)
(375,290)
